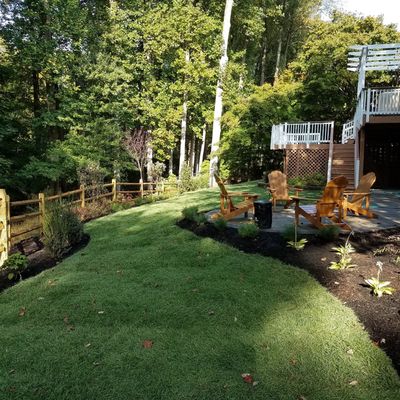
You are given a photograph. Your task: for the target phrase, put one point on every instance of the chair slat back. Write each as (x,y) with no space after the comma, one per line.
(278,182)
(221,185)
(332,195)
(364,186)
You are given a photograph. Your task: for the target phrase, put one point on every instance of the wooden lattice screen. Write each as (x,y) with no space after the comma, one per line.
(302,162)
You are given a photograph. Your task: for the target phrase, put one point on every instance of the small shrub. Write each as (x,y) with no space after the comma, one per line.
(115,207)
(190,213)
(379,288)
(15,264)
(62,229)
(329,233)
(297,181)
(200,219)
(221,224)
(289,232)
(316,179)
(93,210)
(186,183)
(248,230)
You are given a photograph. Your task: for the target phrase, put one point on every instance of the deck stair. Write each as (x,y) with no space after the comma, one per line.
(343,161)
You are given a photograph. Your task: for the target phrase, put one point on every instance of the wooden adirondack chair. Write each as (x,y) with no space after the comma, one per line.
(279,189)
(354,201)
(330,201)
(228,209)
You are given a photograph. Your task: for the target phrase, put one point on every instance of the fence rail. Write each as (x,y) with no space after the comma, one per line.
(28,222)
(301,133)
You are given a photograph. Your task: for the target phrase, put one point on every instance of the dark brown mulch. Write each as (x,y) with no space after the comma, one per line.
(380,316)
(38,259)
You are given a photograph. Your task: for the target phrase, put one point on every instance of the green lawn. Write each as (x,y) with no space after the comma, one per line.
(211,311)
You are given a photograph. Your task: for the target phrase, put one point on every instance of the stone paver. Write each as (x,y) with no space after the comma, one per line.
(385,203)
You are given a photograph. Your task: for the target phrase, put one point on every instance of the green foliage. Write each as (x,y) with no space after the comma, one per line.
(190,213)
(289,232)
(316,179)
(248,230)
(221,224)
(186,183)
(379,288)
(343,252)
(115,207)
(328,233)
(15,264)
(62,229)
(298,244)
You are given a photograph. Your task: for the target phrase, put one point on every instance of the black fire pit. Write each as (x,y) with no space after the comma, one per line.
(263,213)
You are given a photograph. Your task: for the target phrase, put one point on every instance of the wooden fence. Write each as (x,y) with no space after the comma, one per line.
(20,220)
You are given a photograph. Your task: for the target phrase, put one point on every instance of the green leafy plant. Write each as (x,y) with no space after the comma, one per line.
(200,219)
(328,233)
(249,230)
(397,260)
(295,244)
(221,224)
(115,207)
(15,264)
(190,213)
(62,229)
(343,252)
(379,288)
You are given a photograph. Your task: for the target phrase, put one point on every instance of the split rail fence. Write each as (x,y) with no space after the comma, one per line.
(23,219)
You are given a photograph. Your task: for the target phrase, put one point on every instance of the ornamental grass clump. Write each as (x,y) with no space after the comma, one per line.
(379,288)
(248,230)
(62,229)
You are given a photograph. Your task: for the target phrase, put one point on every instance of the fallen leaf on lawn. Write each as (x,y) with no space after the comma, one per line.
(66,320)
(211,312)
(147,344)
(350,352)
(195,290)
(301,398)
(51,282)
(293,361)
(22,312)
(100,312)
(247,378)
(88,345)
(255,383)
(235,319)
(11,371)
(120,272)
(70,328)
(40,298)
(353,383)
(323,259)
(96,363)
(383,341)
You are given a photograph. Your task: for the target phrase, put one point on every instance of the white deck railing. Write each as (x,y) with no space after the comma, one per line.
(301,133)
(371,102)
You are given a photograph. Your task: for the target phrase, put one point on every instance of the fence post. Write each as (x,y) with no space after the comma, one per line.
(83,202)
(42,210)
(141,187)
(114,189)
(4,226)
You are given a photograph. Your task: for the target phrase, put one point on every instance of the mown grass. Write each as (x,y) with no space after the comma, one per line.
(211,312)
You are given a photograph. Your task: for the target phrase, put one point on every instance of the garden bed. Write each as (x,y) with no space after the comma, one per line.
(380,316)
(39,259)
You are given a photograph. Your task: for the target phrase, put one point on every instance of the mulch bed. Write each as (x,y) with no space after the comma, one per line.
(38,259)
(380,316)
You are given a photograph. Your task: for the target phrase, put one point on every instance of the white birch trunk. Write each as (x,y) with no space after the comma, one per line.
(278,59)
(203,144)
(171,163)
(216,131)
(193,154)
(182,154)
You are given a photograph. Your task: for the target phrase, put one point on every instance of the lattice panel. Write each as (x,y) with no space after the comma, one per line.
(302,162)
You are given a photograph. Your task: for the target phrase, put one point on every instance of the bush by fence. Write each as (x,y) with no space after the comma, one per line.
(20,220)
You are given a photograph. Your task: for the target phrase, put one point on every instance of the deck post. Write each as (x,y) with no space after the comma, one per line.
(330,156)
(42,210)
(4,226)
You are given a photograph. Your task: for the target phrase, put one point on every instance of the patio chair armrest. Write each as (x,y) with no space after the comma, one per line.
(242,194)
(356,193)
(297,198)
(295,188)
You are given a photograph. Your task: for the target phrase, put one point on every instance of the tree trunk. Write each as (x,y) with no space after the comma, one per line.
(171,163)
(278,59)
(193,154)
(263,63)
(182,154)
(203,144)
(216,132)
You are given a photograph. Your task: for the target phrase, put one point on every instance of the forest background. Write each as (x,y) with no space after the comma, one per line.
(78,77)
